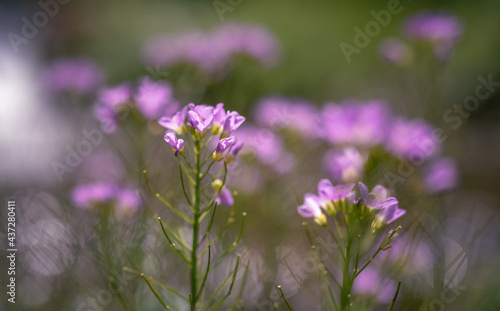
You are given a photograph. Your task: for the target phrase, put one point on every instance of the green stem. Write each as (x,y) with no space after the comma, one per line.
(154,292)
(391,306)
(345,293)
(284,298)
(194,259)
(346,281)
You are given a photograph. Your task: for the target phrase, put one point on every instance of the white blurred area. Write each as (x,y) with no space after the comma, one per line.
(30,134)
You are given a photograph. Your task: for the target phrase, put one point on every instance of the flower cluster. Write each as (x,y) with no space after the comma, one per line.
(125,200)
(440,175)
(440,30)
(78,75)
(153,99)
(333,199)
(267,147)
(200,120)
(351,126)
(354,122)
(213,52)
(295,114)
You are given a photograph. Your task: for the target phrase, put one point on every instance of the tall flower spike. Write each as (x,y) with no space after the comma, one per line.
(200,117)
(311,209)
(176,122)
(232,123)
(222,146)
(176,144)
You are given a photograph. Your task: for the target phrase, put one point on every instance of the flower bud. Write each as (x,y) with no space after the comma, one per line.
(320,220)
(216,184)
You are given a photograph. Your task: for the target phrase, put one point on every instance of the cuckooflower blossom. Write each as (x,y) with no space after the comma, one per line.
(395,51)
(256,42)
(345,166)
(213,52)
(126,201)
(175,123)
(78,74)
(154,98)
(312,209)
(330,195)
(200,117)
(115,97)
(177,145)
(412,139)
(85,196)
(110,101)
(374,199)
(355,122)
(235,148)
(388,214)
(441,175)
(232,123)
(440,29)
(222,146)
(266,145)
(225,197)
(292,113)
(102,166)
(219,119)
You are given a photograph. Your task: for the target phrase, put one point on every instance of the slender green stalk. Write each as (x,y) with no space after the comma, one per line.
(154,292)
(187,162)
(165,286)
(208,169)
(183,188)
(179,213)
(391,306)
(325,275)
(314,248)
(346,281)
(369,261)
(196,225)
(336,241)
(284,298)
(206,275)
(357,258)
(209,225)
(383,246)
(172,243)
(218,303)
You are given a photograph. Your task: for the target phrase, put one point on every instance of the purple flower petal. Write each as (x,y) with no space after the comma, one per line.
(177,145)
(344,166)
(225,198)
(176,122)
(441,175)
(153,98)
(232,123)
(200,117)
(311,207)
